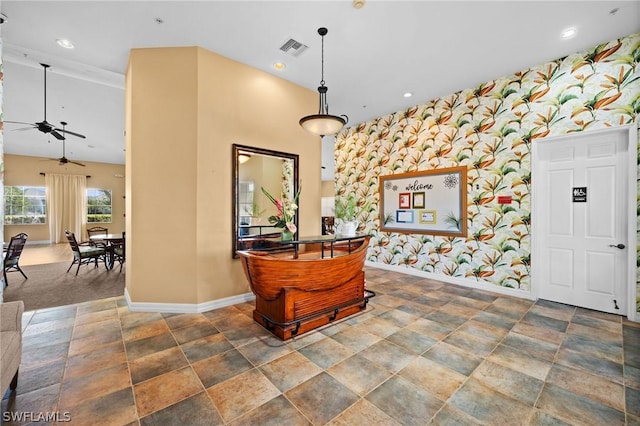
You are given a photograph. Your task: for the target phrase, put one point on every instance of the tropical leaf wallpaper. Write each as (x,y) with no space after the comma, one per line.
(489,129)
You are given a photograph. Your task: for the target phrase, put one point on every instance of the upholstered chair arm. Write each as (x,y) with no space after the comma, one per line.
(11,316)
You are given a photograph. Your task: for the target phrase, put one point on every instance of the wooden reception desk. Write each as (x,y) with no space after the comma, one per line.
(307,283)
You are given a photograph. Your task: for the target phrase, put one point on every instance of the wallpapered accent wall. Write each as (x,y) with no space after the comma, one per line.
(490,129)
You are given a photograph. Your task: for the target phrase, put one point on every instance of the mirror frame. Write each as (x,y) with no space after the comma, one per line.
(236,149)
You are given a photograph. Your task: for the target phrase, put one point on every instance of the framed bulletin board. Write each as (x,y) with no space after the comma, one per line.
(426,202)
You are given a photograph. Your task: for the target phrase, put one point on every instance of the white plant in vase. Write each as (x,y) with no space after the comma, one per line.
(347,212)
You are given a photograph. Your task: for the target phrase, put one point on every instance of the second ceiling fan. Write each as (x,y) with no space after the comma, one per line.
(44,126)
(64,160)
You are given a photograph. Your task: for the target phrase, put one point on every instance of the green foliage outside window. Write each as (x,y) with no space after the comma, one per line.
(98,206)
(25,205)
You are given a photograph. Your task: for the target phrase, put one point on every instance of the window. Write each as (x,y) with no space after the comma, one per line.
(98,205)
(25,205)
(245,201)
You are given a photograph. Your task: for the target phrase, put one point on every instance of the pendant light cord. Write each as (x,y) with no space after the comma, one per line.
(322,63)
(45,91)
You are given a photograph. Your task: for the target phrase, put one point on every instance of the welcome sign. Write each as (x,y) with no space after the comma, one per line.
(425,202)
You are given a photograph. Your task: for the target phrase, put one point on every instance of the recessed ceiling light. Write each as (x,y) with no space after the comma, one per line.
(279,66)
(407,94)
(63,42)
(569,32)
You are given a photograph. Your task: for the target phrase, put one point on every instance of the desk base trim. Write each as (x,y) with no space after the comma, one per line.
(301,325)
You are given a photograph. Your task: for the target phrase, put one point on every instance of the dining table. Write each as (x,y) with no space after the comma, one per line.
(110,241)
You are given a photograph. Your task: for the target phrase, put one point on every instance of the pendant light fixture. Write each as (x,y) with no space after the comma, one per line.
(323,123)
(243,157)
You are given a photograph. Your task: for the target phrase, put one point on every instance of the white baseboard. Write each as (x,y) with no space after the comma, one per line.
(465,282)
(194,308)
(186,308)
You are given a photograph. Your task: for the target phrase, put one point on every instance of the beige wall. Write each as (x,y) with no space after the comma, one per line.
(185,108)
(328,188)
(25,171)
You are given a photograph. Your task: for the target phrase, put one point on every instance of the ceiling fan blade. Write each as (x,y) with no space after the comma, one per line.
(76,163)
(22,129)
(57,135)
(19,122)
(69,132)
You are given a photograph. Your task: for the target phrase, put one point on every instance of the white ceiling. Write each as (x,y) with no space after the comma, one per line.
(372,55)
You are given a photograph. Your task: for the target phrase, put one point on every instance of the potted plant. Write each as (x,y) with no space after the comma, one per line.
(254,211)
(346,213)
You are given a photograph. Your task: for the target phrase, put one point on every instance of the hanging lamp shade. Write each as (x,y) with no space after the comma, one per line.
(323,123)
(243,158)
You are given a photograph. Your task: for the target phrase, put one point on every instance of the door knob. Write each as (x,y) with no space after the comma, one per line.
(618,246)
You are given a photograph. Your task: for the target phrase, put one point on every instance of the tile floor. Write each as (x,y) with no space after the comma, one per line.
(423,352)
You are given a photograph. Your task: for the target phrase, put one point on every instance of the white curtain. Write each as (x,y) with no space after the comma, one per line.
(66,205)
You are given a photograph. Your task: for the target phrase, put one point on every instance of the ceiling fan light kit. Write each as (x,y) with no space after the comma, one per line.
(323,123)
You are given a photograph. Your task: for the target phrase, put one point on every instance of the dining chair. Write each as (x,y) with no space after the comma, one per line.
(119,251)
(328,223)
(12,256)
(96,230)
(83,255)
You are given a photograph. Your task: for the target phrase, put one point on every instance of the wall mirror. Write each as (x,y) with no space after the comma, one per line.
(253,169)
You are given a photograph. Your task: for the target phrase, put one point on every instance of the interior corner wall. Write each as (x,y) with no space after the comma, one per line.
(490,129)
(185,108)
(161,153)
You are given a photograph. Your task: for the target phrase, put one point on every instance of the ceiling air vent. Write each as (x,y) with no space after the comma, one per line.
(293,48)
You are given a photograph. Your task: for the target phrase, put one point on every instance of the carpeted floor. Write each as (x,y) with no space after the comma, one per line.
(50,285)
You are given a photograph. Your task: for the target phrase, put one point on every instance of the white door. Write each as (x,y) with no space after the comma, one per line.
(580,221)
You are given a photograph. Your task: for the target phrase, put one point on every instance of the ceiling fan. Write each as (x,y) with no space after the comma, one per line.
(44,126)
(64,160)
